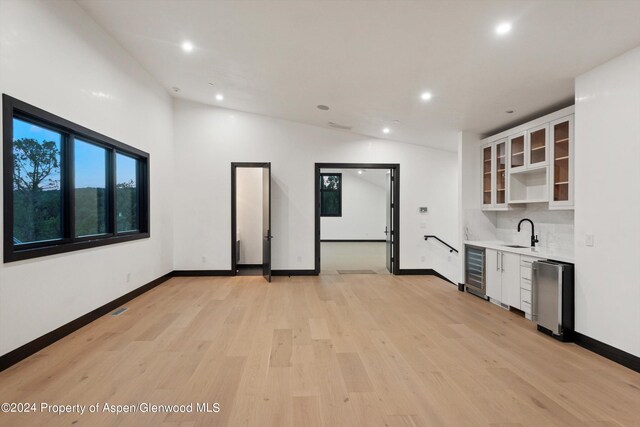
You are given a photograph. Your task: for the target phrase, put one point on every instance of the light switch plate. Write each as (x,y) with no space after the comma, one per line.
(589,239)
(423,209)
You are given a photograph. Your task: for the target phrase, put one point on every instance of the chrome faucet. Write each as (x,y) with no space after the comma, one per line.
(534,238)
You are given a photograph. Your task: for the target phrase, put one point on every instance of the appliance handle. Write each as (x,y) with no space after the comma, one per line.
(497,261)
(534,291)
(502,261)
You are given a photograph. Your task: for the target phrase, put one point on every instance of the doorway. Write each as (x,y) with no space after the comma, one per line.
(251,219)
(382,250)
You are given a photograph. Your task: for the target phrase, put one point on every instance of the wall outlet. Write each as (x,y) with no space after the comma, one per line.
(299,258)
(422,258)
(588,240)
(204,259)
(423,209)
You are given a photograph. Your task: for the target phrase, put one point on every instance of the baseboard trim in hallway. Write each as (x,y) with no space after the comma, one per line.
(623,358)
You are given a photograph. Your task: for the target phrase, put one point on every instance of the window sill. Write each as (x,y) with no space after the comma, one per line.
(11,254)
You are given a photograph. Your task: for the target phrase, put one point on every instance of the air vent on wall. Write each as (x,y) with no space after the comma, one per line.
(339,126)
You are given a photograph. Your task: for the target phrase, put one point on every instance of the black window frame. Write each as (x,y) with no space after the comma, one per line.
(325,190)
(14,108)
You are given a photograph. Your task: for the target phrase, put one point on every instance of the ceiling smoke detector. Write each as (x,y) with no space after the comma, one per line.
(509,111)
(322,107)
(175,89)
(339,126)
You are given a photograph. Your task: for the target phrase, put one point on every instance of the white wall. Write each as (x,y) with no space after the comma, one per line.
(52,55)
(363,207)
(607,192)
(208,139)
(249,214)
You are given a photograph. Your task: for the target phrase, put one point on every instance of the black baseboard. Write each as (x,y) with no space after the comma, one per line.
(354,240)
(196,273)
(49,338)
(423,272)
(605,350)
(293,273)
(248,265)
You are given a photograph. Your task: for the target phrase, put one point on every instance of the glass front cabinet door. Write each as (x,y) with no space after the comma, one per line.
(561,170)
(537,146)
(517,152)
(487,176)
(494,175)
(500,151)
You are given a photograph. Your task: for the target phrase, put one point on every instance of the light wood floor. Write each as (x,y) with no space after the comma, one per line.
(355,350)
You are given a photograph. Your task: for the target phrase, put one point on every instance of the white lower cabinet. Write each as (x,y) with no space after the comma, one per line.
(503,277)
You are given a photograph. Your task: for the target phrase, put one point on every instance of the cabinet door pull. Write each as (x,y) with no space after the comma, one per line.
(502,261)
(497,261)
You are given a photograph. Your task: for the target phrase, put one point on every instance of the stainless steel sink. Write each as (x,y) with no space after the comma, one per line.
(516,246)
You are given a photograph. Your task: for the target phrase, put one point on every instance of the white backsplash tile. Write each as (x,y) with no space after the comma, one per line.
(555,229)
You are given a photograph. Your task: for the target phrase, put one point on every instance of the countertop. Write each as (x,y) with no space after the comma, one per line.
(539,252)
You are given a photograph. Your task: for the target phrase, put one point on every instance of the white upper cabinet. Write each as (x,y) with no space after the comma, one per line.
(494,175)
(537,143)
(561,170)
(531,163)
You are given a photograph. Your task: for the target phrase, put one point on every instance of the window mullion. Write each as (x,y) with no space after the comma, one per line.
(111,191)
(68,190)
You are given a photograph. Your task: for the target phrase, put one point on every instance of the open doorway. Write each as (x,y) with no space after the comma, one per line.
(357,225)
(251,219)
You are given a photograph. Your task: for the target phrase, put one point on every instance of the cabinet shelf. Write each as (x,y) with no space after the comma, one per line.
(517,154)
(538,148)
(558,141)
(562,183)
(562,158)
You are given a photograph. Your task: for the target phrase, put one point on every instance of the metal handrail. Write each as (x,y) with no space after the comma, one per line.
(451,248)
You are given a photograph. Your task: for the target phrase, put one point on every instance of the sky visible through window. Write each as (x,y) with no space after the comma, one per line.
(89,167)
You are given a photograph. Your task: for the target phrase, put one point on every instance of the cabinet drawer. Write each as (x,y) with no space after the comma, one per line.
(526,261)
(525,296)
(525,284)
(525,272)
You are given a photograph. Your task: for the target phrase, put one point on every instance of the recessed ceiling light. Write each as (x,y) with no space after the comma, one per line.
(386,130)
(212,83)
(219,97)
(396,122)
(322,107)
(187,46)
(503,28)
(176,89)
(360,172)
(425,96)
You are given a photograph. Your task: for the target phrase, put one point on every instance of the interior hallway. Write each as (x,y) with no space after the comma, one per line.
(350,256)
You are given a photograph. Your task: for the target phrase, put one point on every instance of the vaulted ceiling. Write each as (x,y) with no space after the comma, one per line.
(369,61)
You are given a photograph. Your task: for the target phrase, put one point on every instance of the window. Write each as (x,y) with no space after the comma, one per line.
(330,194)
(66,187)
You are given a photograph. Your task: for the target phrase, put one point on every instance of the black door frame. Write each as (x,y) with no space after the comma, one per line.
(395,208)
(234,207)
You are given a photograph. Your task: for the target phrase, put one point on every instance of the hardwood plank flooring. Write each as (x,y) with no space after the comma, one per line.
(333,350)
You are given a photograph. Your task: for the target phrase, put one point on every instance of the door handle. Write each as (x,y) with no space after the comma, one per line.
(497,261)
(501,261)
(386,230)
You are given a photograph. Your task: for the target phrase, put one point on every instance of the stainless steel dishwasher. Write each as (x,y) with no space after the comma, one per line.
(553,298)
